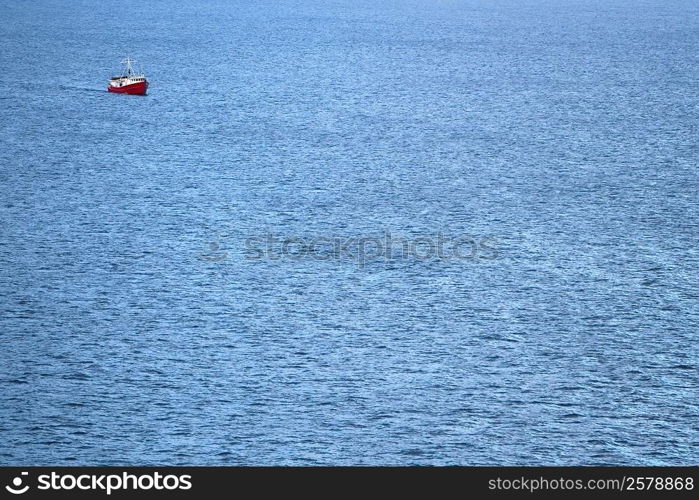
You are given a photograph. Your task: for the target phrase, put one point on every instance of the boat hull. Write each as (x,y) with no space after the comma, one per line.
(138,88)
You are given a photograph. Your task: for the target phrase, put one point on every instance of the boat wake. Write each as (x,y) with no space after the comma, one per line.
(80,89)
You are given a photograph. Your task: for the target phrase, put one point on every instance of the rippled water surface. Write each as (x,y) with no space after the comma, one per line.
(137,329)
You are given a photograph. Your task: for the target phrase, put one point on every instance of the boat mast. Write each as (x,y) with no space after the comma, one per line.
(129,68)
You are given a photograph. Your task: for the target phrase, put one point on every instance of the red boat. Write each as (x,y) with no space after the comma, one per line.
(129,82)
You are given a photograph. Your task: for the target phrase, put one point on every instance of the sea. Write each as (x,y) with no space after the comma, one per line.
(406,232)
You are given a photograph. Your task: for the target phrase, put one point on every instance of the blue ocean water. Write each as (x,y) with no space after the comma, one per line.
(136,329)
